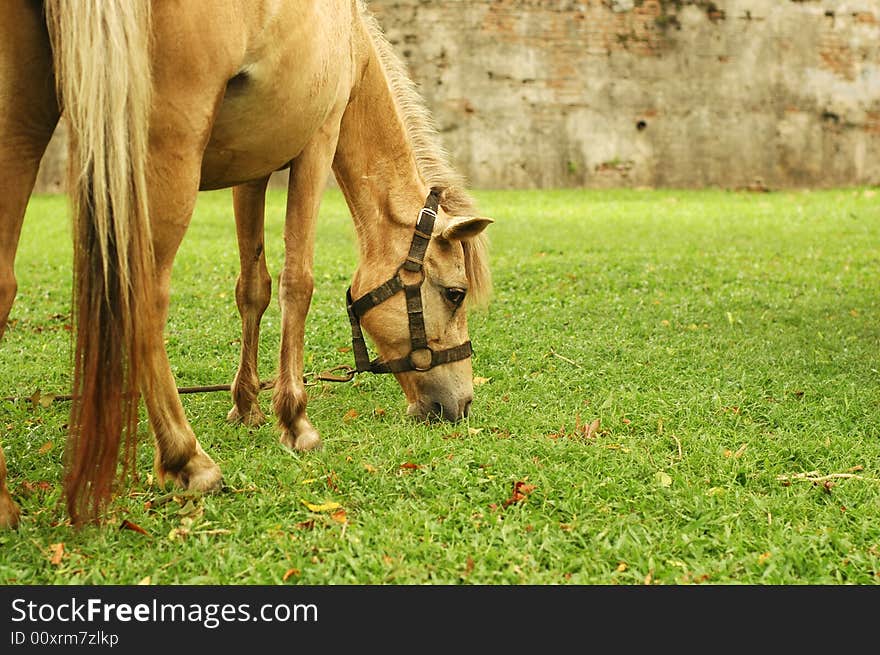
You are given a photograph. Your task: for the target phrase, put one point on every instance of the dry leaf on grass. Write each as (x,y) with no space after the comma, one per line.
(42,399)
(521,490)
(590,430)
(288,573)
(35,487)
(130,525)
(57,551)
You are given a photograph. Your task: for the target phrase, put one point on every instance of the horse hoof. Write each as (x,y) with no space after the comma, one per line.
(199,474)
(205,480)
(9,512)
(253,418)
(309,440)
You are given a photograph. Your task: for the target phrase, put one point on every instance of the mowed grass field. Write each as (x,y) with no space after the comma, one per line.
(673,387)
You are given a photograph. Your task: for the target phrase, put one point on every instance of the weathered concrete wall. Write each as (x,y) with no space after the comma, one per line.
(666,93)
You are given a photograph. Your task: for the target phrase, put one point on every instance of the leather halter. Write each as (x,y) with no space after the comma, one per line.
(421,357)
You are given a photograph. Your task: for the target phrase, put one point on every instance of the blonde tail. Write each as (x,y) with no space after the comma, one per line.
(102,68)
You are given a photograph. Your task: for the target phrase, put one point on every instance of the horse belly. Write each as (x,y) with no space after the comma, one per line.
(234,156)
(280,99)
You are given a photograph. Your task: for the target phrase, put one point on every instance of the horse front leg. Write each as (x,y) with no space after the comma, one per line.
(28,115)
(253,290)
(308,177)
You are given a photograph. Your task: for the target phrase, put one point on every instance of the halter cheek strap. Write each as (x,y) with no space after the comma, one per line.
(421,357)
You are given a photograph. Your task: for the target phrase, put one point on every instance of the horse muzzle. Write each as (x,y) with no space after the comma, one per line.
(441,409)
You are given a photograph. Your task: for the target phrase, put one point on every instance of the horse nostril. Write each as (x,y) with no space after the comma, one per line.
(436,410)
(466,409)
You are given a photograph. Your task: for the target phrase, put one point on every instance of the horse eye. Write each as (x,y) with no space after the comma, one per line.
(455,295)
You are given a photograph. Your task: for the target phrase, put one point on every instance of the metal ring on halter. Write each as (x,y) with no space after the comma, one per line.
(414,357)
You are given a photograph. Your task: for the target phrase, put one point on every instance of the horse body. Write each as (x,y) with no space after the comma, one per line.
(236,90)
(295,68)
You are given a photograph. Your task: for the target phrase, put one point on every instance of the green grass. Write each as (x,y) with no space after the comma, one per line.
(722,339)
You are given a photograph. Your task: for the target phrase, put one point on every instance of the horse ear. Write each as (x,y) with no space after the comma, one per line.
(462,228)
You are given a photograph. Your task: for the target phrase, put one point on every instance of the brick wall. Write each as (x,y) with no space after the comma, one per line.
(666,93)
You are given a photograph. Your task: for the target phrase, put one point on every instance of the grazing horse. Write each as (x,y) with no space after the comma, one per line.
(166,98)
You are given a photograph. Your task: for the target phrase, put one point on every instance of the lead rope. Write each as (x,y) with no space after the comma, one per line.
(343,373)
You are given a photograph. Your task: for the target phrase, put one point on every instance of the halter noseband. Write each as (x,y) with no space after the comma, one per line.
(421,357)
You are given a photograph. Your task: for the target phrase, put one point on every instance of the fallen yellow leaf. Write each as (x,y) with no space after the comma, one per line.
(478,381)
(322,507)
(621,567)
(146,581)
(45,448)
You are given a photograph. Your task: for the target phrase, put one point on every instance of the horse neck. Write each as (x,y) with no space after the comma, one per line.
(375,167)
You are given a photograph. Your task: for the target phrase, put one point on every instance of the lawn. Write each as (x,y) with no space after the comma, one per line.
(673,387)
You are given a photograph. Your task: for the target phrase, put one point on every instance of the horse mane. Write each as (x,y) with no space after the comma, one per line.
(432,159)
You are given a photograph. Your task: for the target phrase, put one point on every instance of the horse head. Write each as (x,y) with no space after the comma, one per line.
(417,318)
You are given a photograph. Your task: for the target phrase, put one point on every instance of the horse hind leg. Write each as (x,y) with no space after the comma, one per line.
(28,115)
(21,148)
(253,291)
(173,181)
(9,511)
(179,456)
